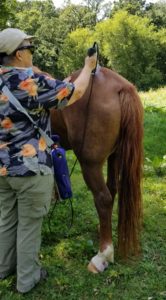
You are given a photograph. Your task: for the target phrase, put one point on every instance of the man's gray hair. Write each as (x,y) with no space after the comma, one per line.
(6,59)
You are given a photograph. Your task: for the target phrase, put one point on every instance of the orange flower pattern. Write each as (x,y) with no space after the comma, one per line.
(3,98)
(23,151)
(7,123)
(42,144)
(62,94)
(3,171)
(30,86)
(28,150)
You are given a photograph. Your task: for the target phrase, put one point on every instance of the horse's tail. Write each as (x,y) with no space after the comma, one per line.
(130,153)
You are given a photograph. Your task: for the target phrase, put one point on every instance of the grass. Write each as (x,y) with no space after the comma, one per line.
(155,129)
(66,252)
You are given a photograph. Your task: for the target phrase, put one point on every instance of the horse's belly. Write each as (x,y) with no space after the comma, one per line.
(93,134)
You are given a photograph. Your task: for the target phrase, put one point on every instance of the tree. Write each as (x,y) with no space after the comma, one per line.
(131,44)
(161,55)
(131,47)
(100,8)
(7,13)
(156,12)
(134,7)
(35,13)
(74,50)
(76,16)
(42,22)
(51,26)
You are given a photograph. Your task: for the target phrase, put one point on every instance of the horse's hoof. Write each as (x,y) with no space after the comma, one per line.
(97,267)
(100,262)
(91,268)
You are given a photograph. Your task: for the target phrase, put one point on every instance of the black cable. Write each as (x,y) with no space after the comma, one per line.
(52,212)
(50,216)
(90,52)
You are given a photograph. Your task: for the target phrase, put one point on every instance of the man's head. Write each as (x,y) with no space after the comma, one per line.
(16,48)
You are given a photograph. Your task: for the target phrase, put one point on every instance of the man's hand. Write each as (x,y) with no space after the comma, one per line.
(90,61)
(82,81)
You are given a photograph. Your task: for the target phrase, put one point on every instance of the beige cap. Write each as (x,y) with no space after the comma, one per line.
(11,38)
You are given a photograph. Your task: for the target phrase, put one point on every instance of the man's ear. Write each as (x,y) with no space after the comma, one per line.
(18,55)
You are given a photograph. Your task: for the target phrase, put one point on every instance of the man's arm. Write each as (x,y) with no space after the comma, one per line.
(82,81)
(80,84)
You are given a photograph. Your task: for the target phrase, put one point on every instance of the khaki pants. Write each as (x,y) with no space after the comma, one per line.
(23,203)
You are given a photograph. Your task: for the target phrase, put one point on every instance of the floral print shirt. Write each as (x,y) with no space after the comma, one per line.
(23,151)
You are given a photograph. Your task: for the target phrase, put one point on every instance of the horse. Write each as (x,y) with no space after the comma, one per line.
(106,125)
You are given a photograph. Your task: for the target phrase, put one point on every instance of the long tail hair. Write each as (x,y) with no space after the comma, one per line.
(130,160)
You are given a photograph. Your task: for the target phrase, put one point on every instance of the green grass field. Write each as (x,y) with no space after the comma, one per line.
(66,252)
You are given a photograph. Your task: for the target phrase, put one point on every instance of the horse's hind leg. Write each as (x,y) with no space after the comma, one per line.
(103,201)
(111,175)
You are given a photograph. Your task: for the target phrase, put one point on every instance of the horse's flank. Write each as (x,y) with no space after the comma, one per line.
(96,116)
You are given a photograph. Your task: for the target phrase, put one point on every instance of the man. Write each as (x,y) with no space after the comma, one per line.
(26,178)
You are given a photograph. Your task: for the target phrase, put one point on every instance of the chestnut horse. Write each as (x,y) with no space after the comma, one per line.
(107,125)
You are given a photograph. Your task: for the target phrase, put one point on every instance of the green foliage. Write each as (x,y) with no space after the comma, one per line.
(51,26)
(156,12)
(130,45)
(101,8)
(128,42)
(161,55)
(74,16)
(134,7)
(42,21)
(74,50)
(7,13)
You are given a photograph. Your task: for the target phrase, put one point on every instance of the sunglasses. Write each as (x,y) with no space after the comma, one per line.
(31,48)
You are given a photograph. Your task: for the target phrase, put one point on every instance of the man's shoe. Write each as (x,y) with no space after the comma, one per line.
(43,274)
(4,276)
